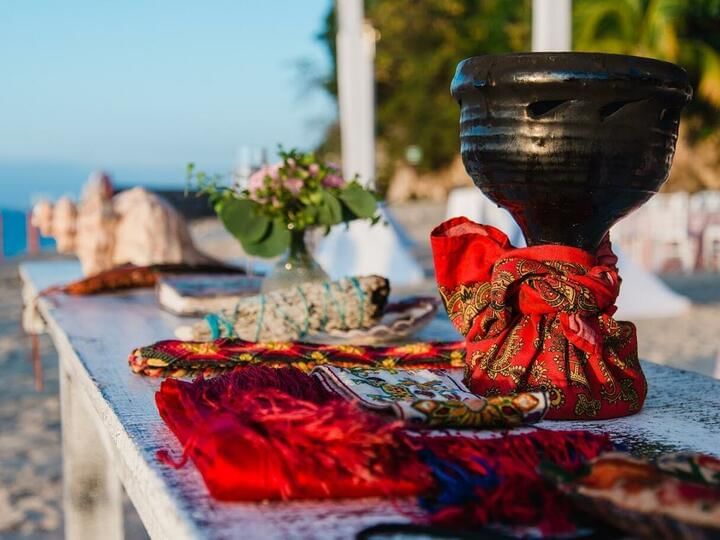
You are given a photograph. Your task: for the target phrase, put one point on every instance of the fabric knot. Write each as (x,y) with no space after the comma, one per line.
(553,286)
(539,319)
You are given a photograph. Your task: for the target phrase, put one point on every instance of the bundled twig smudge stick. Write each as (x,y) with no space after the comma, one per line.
(293,313)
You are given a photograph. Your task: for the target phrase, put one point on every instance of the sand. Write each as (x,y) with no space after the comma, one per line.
(30,456)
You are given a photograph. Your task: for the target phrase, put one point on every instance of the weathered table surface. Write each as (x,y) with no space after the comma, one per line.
(112,430)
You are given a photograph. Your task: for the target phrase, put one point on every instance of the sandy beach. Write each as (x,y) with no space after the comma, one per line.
(30,454)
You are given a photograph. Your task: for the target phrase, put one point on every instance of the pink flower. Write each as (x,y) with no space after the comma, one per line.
(333,181)
(334,177)
(314,168)
(256,181)
(294,185)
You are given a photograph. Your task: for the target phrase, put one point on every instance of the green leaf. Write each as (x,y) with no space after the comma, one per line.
(329,210)
(273,243)
(361,202)
(243,219)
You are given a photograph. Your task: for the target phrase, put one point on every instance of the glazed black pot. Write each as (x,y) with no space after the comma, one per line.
(568,142)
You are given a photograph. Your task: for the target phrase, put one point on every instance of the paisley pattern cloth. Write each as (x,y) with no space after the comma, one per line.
(174,358)
(432,398)
(539,319)
(676,498)
(691,467)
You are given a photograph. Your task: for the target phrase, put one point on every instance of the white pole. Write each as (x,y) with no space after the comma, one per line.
(361,249)
(552,25)
(356,90)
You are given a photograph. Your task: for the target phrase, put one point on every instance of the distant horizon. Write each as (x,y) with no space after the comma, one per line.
(24,182)
(140,89)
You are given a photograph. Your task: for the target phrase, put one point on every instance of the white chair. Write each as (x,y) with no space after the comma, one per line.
(669,229)
(704,221)
(631,234)
(705,201)
(711,247)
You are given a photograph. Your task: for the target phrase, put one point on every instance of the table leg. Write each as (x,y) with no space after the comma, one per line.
(92,494)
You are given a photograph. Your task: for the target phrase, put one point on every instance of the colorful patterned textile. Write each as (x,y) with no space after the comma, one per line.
(539,319)
(645,500)
(174,358)
(691,467)
(260,433)
(434,398)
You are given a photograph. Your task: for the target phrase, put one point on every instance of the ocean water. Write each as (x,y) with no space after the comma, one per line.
(14,234)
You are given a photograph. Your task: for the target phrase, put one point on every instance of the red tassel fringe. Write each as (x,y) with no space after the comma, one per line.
(262,433)
(512,491)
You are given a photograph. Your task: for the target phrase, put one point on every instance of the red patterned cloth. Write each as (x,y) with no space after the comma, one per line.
(539,319)
(174,358)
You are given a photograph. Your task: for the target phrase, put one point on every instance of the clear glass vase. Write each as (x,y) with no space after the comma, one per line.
(297,266)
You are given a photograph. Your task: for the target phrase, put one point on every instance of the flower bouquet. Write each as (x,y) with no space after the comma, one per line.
(280,203)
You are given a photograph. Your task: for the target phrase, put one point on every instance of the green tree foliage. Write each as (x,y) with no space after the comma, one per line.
(420,43)
(686,32)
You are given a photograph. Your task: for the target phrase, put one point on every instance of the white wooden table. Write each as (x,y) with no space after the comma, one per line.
(111,430)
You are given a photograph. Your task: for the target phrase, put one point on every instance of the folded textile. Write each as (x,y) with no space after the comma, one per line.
(539,319)
(261,433)
(673,499)
(434,398)
(293,313)
(174,358)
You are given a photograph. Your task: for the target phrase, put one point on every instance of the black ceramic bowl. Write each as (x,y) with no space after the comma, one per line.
(568,142)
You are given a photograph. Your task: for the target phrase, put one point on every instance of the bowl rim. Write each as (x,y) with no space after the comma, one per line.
(520,68)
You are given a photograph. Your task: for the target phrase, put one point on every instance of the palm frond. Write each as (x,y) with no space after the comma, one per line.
(591,19)
(709,86)
(662,21)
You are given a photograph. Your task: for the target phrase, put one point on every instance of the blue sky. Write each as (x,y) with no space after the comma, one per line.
(141,87)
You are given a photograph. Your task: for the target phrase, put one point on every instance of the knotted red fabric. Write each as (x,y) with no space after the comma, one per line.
(539,319)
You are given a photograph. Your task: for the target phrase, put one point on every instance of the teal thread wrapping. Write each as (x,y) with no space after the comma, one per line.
(326,300)
(340,309)
(307,312)
(229,327)
(361,297)
(212,322)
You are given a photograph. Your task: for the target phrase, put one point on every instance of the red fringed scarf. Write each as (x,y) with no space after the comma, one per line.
(539,319)
(262,433)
